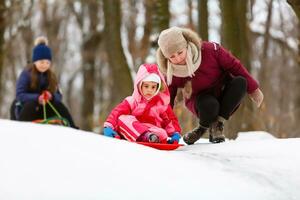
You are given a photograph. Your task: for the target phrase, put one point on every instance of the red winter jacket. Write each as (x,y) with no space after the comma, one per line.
(216,67)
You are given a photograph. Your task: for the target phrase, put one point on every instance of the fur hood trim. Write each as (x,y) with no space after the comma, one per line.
(190,36)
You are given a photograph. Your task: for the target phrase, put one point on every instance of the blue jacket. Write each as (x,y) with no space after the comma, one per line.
(25,94)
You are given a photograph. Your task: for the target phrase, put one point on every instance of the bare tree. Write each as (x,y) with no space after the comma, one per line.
(122,81)
(265,65)
(203,19)
(89,55)
(190,24)
(92,38)
(145,42)
(2,30)
(162,15)
(17,46)
(295,4)
(139,47)
(131,26)
(235,38)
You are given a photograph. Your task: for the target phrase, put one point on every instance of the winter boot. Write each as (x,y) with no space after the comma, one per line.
(148,137)
(153,138)
(191,137)
(216,131)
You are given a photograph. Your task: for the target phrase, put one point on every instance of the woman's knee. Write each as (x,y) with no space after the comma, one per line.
(30,110)
(30,106)
(208,104)
(239,82)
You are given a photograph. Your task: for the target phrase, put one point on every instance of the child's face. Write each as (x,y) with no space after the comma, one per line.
(179,57)
(149,88)
(42,65)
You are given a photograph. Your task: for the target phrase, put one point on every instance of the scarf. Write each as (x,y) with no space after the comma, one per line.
(193,61)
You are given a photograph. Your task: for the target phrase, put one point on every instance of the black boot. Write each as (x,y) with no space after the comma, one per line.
(153,138)
(216,131)
(148,137)
(191,137)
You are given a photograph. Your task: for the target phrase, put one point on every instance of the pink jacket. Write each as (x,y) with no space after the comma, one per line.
(156,111)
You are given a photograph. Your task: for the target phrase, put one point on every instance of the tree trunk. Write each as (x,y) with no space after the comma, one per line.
(295,4)
(203,19)
(122,81)
(88,94)
(145,42)
(2,30)
(88,58)
(162,15)
(235,38)
(91,40)
(89,52)
(190,24)
(230,26)
(131,29)
(267,68)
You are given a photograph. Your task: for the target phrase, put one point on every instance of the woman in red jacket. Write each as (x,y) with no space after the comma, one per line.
(214,82)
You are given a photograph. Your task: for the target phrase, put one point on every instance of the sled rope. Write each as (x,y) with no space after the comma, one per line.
(56,112)
(44,111)
(53,119)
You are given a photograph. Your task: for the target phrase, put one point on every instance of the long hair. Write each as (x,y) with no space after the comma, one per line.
(52,80)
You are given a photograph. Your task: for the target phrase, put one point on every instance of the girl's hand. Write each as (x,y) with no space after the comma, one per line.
(174,138)
(109,132)
(45,97)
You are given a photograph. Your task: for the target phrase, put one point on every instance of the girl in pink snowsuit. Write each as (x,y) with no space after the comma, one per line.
(146,115)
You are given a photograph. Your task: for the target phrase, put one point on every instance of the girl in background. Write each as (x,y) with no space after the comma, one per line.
(37,85)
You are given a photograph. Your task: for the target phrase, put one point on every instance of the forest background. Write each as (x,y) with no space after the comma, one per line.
(98,46)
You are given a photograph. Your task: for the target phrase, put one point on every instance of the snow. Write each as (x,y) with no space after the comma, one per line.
(41,162)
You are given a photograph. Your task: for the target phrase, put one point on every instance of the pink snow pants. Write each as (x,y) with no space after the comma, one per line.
(131,129)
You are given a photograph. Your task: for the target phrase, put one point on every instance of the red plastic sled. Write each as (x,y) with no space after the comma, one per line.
(160,146)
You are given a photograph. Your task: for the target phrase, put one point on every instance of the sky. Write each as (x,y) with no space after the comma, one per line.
(41,162)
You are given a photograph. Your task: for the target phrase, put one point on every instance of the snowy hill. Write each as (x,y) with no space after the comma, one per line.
(41,162)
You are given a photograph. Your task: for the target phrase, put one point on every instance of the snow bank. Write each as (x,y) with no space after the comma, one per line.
(40,162)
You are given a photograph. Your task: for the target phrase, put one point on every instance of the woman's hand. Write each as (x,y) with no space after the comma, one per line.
(257,97)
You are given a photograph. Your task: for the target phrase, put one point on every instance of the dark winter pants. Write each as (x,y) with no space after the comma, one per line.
(210,107)
(33,110)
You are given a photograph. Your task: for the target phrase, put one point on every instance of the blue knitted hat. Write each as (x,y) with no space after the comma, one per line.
(41,51)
